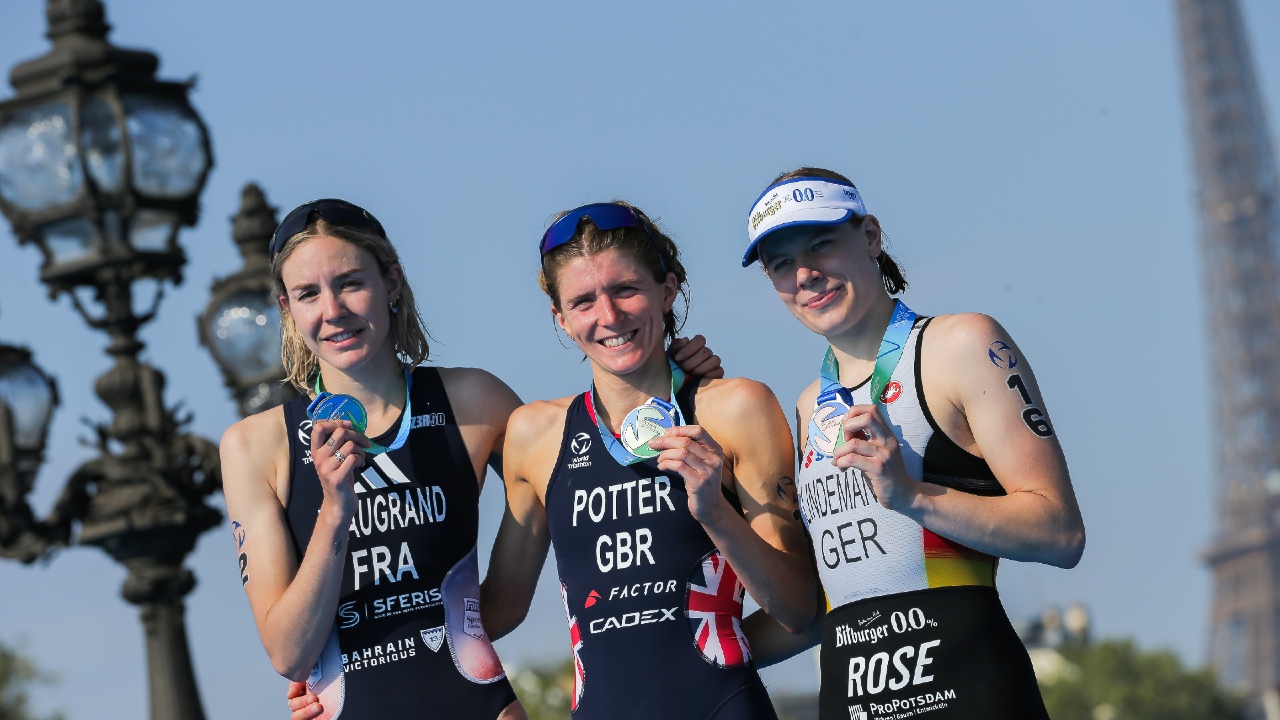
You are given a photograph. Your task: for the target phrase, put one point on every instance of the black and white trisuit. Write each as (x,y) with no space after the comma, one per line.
(915,627)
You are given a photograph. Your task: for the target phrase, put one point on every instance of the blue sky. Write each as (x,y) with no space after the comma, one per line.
(1027,160)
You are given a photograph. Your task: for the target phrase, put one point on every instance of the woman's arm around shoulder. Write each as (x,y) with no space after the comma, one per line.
(765,545)
(481,405)
(984,395)
(531,446)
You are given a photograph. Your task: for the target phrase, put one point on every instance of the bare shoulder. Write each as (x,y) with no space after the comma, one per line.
(963,332)
(478,396)
(252,445)
(733,396)
(256,434)
(535,424)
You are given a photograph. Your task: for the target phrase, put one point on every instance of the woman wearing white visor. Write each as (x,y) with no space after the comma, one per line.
(926,455)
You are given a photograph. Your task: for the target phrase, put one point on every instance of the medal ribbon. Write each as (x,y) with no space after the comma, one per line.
(833,393)
(405,420)
(672,408)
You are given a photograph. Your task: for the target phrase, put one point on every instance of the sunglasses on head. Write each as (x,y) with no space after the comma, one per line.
(332,211)
(605,216)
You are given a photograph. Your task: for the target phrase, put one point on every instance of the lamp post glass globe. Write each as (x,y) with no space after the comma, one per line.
(244,330)
(31,397)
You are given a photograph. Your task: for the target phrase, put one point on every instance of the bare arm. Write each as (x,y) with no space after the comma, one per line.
(991,406)
(524,536)
(293,603)
(765,544)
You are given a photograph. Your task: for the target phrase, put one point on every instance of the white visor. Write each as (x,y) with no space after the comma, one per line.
(800,201)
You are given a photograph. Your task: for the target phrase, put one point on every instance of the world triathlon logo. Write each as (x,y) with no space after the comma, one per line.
(580,444)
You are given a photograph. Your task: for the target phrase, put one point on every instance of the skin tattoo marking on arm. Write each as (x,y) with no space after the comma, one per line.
(238,531)
(1002,356)
(1032,416)
(785,489)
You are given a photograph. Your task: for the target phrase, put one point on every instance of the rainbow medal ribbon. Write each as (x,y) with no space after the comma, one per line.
(337,406)
(642,424)
(826,425)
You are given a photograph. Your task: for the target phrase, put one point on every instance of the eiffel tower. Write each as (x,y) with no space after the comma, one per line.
(1240,223)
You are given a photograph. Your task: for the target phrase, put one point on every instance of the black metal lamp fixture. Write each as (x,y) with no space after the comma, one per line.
(100,162)
(241,323)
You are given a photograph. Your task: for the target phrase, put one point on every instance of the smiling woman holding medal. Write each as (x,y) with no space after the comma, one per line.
(657,490)
(357,551)
(924,459)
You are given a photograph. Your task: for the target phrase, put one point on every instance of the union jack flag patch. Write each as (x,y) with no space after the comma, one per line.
(715,613)
(575,641)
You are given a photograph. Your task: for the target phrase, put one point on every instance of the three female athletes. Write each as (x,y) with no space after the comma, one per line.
(907,515)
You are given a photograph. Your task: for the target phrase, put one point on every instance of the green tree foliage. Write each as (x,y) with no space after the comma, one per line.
(543,690)
(1114,680)
(17,675)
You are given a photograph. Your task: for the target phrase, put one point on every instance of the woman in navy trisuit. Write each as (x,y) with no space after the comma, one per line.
(357,552)
(926,454)
(655,548)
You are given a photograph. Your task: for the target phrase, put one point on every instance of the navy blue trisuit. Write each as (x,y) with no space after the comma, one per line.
(654,611)
(407,641)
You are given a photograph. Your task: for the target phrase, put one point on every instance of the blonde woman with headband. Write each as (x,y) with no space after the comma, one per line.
(354,507)
(926,455)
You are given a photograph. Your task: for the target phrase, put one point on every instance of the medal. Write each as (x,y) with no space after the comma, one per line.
(826,424)
(645,423)
(338,406)
(328,406)
(642,424)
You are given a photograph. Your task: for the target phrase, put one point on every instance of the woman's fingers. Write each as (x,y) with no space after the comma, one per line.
(866,422)
(695,358)
(302,704)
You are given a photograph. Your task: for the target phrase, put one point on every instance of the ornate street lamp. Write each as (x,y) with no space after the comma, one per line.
(27,399)
(100,163)
(241,324)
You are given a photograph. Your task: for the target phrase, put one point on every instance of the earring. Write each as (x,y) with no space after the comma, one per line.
(392,306)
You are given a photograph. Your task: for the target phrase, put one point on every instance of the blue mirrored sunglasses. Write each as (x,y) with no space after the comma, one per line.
(605,216)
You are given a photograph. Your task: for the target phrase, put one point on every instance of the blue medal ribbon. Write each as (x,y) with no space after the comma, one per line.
(331,406)
(670,408)
(826,425)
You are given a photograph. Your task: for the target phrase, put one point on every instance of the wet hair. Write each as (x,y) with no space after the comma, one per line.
(894,281)
(652,255)
(408,333)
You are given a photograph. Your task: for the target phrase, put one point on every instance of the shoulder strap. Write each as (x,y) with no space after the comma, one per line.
(435,398)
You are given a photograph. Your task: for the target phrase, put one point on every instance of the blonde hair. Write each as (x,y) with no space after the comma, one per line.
(408,333)
(653,250)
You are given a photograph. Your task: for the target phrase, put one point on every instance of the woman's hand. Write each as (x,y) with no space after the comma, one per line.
(871,447)
(695,358)
(302,704)
(336,451)
(692,453)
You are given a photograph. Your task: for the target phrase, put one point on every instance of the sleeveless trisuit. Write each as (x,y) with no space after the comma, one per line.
(407,641)
(915,626)
(654,611)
